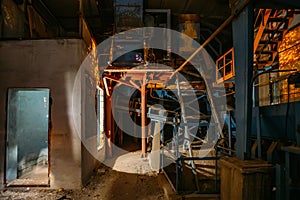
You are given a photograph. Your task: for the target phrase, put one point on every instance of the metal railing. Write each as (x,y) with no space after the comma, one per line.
(225,67)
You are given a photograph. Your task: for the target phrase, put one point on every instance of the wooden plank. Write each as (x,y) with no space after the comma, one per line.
(245,179)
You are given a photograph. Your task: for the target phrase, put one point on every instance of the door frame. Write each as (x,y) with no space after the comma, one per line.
(15,89)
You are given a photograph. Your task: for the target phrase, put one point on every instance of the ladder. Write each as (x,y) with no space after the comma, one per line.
(270,26)
(187,139)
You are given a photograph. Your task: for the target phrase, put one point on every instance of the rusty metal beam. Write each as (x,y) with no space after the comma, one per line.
(144,113)
(145,69)
(212,36)
(228,20)
(119,81)
(109,126)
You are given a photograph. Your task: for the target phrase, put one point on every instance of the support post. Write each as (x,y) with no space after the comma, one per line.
(287,175)
(80,17)
(144,113)
(258,134)
(243,58)
(109,127)
(229,133)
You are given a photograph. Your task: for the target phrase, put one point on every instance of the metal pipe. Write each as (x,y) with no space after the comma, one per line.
(211,37)
(109,129)
(258,134)
(106,86)
(160,99)
(223,25)
(144,112)
(192,74)
(216,168)
(81,14)
(120,81)
(153,69)
(229,132)
(274,80)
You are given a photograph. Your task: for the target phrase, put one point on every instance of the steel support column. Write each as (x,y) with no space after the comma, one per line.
(243,58)
(144,113)
(109,126)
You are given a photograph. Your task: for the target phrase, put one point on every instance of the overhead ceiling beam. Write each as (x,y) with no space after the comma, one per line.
(186,6)
(273,4)
(45,13)
(277,4)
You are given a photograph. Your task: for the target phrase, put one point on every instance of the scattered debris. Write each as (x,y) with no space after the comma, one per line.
(107,184)
(60,189)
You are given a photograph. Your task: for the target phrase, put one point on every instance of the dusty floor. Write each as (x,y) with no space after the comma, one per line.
(130,177)
(107,184)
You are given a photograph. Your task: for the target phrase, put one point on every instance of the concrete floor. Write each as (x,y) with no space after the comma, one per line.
(38,176)
(130,177)
(108,184)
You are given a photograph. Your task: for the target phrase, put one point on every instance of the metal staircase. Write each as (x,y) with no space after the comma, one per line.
(187,141)
(269,29)
(270,26)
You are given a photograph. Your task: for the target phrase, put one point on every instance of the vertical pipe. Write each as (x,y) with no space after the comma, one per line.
(161,126)
(229,132)
(177,174)
(120,129)
(109,131)
(287,175)
(279,185)
(143,112)
(176,132)
(80,17)
(98,99)
(258,132)
(29,18)
(216,168)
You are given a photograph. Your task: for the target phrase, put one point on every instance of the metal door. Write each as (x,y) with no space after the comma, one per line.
(27,129)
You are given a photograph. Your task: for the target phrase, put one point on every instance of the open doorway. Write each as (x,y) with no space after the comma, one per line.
(27,159)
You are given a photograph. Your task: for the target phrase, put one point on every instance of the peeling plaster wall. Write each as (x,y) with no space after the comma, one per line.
(51,64)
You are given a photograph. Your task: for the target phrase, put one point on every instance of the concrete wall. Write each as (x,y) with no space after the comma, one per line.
(51,64)
(89,150)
